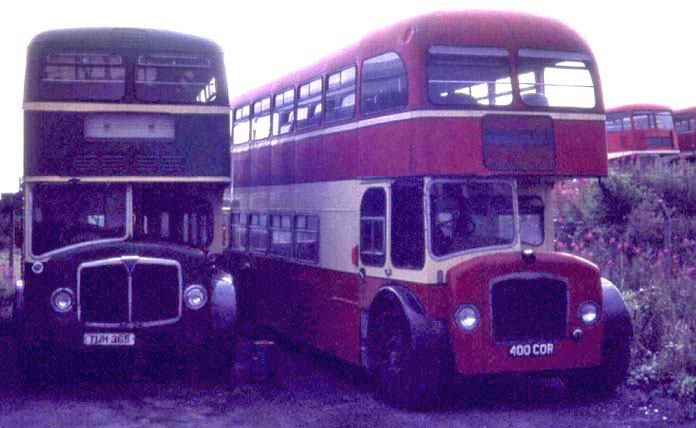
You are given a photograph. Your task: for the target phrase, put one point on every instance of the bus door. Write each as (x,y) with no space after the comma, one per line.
(371,270)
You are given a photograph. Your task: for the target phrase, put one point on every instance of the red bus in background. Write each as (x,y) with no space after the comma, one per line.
(685,125)
(640,129)
(391,205)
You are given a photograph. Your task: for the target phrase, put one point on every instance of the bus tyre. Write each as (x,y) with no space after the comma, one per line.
(600,381)
(403,377)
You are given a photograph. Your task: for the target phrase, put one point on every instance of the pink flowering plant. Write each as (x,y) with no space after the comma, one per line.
(639,226)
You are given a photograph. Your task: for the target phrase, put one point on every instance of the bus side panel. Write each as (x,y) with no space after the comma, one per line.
(260,158)
(580,146)
(340,151)
(447,146)
(241,164)
(385,150)
(308,160)
(283,162)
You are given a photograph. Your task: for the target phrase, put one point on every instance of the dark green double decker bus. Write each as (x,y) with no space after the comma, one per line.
(126,160)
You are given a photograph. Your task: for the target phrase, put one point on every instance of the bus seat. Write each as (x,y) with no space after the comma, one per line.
(466,99)
(535,99)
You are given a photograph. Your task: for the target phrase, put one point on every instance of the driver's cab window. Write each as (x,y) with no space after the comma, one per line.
(468,215)
(64,215)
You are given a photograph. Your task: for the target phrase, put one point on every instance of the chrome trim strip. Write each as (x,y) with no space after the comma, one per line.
(130,297)
(126,108)
(616,155)
(124,179)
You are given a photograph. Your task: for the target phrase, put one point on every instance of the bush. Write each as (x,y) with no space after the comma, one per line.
(624,231)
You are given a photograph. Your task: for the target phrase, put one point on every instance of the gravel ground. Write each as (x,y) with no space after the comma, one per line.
(308,390)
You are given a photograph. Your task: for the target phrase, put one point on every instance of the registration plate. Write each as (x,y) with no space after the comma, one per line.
(531,350)
(109,339)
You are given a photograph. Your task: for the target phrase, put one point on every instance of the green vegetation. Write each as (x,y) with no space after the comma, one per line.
(6,285)
(620,224)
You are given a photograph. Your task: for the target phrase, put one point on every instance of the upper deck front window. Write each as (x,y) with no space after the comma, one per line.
(469,76)
(175,78)
(618,121)
(83,76)
(664,120)
(555,78)
(467,215)
(684,123)
(644,119)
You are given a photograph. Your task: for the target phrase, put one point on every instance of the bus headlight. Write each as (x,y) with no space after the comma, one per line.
(467,317)
(588,313)
(62,300)
(195,296)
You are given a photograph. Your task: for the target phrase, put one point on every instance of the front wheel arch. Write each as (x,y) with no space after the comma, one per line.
(408,353)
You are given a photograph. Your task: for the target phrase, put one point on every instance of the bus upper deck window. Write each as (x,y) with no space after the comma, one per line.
(555,78)
(664,120)
(383,83)
(83,76)
(283,112)
(340,95)
(469,76)
(175,78)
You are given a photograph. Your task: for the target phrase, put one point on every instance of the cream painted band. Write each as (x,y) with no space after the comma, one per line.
(125,179)
(124,108)
(416,114)
(616,155)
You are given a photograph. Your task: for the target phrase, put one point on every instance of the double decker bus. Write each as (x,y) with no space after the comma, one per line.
(685,125)
(640,130)
(391,205)
(126,158)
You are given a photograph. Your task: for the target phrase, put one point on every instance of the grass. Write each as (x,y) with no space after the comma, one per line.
(7,283)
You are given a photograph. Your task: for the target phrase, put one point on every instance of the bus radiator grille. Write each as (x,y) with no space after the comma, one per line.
(529,307)
(105,298)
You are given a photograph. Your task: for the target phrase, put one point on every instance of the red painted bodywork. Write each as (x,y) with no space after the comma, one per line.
(427,146)
(635,139)
(417,146)
(476,352)
(687,139)
(322,307)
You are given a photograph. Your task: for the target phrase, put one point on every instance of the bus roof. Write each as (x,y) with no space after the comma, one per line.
(638,106)
(508,30)
(686,111)
(99,38)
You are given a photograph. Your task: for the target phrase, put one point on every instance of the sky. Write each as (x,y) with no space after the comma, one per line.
(644,50)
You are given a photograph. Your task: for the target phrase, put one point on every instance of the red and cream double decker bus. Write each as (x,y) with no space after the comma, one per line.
(640,130)
(391,205)
(685,125)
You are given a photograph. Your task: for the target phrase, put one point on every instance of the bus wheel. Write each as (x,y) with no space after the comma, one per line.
(400,379)
(600,381)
